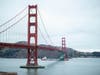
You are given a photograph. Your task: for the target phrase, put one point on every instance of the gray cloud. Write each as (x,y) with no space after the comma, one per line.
(77,20)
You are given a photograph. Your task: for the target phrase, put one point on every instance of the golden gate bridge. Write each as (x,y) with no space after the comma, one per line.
(32,37)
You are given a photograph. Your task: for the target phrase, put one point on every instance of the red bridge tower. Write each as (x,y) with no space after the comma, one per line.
(32,35)
(32,53)
(64,48)
(63,43)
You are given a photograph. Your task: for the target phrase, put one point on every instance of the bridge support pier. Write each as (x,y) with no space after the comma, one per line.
(32,66)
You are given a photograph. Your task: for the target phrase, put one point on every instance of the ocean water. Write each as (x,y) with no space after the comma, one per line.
(74,66)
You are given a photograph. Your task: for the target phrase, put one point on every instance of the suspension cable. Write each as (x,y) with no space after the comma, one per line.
(43,36)
(13,24)
(13,17)
(45,27)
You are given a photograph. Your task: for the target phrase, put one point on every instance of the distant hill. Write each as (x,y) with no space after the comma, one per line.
(22,53)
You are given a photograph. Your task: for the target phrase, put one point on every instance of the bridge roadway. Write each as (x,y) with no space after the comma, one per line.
(15,45)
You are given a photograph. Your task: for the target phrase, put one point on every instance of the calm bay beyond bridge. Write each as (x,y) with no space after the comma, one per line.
(32,38)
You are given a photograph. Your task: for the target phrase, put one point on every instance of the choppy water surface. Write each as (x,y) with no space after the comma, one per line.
(75,66)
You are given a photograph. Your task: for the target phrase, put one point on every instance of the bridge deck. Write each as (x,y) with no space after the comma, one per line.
(15,45)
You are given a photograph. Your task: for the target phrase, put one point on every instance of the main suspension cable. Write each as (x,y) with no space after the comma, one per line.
(12,24)
(45,28)
(43,36)
(13,17)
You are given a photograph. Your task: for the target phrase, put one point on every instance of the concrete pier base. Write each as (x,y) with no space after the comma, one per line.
(32,67)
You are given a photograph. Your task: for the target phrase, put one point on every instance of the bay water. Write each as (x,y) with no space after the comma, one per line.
(74,66)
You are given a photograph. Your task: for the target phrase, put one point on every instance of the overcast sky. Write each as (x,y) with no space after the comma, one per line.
(77,20)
